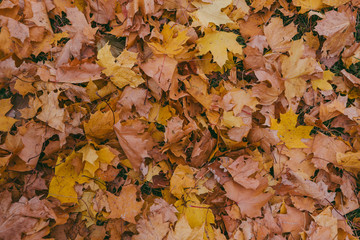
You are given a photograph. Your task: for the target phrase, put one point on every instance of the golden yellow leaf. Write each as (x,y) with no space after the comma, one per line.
(105,155)
(153,171)
(211,13)
(182,180)
(161,114)
(349,161)
(195,212)
(218,43)
(288,132)
(307,5)
(229,120)
(323,83)
(260,4)
(24,87)
(63,182)
(100,125)
(6,122)
(88,154)
(96,93)
(172,43)
(119,69)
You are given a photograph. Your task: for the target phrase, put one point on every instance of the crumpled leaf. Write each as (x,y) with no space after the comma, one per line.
(288,132)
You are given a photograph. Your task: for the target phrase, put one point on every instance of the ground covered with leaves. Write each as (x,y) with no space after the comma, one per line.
(178,119)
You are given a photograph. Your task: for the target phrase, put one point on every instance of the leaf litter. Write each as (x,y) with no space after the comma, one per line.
(202,119)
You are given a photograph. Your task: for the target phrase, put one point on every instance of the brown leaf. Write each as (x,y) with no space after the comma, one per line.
(125,205)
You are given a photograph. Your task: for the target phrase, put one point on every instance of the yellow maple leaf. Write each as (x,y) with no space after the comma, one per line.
(182,180)
(105,155)
(229,120)
(172,43)
(100,125)
(288,132)
(119,69)
(6,122)
(88,154)
(260,4)
(196,213)
(211,12)
(307,5)
(323,83)
(63,182)
(218,43)
(349,161)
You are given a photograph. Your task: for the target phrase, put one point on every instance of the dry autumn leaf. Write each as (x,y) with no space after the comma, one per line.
(178,119)
(289,132)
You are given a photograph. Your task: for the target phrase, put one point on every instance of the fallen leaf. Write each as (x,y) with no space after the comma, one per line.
(218,43)
(288,132)
(119,69)
(125,205)
(211,13)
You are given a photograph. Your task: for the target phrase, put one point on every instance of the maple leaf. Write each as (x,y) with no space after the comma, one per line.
(119,69)
(296,65)
(323,83)
(125,205)
(280,41)
(51,113)
(181,180)
(211,13)
(5,122)
(288,132)
(63,182)
(307,5)
(100,125)
(218,43)
(171,44)
(183,231)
